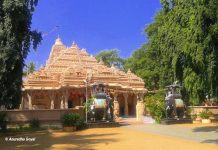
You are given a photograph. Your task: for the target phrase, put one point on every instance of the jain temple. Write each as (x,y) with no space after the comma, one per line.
(69,73)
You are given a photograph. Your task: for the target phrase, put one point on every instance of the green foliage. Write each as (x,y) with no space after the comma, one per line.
(146,64)
(80,124)
(3,121)
(29,68)
(72,119)
(156,104)
(182,45)
(16,37)
(34,124)
(111,57)
(205,114)
(88,104)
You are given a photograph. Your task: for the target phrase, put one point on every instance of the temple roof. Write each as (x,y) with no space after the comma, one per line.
(69,66)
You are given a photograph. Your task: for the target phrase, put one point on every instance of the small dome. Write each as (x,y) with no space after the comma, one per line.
(74,44)
(129,71)
(112,66)
(83,51)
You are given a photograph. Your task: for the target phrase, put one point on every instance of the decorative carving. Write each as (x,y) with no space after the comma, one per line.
(67,68)
(75,64)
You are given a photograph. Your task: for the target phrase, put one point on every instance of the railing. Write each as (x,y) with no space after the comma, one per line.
(198,109)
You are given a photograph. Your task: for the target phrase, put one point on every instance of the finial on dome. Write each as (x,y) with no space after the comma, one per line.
(58,41)
(74,44)
(112,66)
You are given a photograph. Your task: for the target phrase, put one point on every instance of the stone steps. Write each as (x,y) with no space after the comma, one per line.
(176,121)
(103,124)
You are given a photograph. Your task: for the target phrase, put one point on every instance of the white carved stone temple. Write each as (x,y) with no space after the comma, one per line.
(61,84)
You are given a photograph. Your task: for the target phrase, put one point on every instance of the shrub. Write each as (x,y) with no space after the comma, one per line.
(73,119)
(205,114)
(80,124)
(88,104)
(3,120)
(194,116)
(155,102)
(34,123)
(70,119)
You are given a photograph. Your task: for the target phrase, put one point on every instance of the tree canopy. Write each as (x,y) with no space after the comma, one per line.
(16,38)
(182,45)
(111,57)
(29,68)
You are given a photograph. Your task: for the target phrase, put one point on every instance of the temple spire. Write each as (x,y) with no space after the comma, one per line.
(74,44)
(129,71)
(58,41)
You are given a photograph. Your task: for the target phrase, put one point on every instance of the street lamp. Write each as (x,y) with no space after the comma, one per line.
(86,82)
(88,78)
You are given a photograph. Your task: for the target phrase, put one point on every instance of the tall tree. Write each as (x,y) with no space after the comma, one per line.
(16,38)
(111,57)
(185,37)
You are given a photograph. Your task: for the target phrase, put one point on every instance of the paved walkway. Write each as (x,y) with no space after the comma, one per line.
(122,138)
(200,133)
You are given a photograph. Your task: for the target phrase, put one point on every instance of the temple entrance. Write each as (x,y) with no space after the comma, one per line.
(121,105)
(75,99)
(70,103)
(131,105)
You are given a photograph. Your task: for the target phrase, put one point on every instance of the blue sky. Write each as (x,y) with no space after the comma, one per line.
(93,24)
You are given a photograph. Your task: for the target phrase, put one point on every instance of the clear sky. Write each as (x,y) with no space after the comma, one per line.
(93,24)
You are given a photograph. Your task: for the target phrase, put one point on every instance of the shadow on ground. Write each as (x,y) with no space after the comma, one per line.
(206,129)
(59,140)
(213,129)
(213,141)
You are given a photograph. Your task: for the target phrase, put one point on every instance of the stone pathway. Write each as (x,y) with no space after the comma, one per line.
(123,138)
(129,121)
(200,133)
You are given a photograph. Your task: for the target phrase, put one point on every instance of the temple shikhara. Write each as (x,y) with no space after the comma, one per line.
(70,72)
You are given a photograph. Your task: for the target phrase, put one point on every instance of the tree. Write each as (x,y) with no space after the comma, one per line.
(111,57)
(184,36)
(16,38)
(29,68)
(145,64)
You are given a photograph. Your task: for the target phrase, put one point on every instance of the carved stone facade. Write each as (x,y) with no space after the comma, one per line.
(61,83)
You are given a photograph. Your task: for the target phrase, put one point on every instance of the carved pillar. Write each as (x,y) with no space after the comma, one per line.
(62,102)
(22,102)
(66,96)
(125,95)
(29,96)
(140,107)
(25,102)
(116,108)
(51,96)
